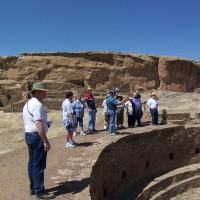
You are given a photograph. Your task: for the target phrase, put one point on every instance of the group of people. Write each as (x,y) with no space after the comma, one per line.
(114,106)
(73,113)
(36,125)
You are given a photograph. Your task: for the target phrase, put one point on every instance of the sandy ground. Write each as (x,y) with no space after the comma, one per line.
(68,170)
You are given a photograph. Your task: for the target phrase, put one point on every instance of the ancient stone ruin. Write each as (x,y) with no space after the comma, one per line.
(157,164)
(101,70)
(147,165)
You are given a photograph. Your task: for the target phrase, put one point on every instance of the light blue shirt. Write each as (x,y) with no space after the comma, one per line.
(78,108)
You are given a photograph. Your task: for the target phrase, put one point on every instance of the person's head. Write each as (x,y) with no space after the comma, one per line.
(69,95)
(39,90)
(79,96)
(119,98)
(89,90)
(130,98)
(112,93)
(137,96)
(153,95)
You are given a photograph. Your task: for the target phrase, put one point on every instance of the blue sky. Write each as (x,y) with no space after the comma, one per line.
(157,27)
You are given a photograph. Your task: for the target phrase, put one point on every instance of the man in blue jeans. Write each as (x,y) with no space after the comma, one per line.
(91,110)
(36,127)
(112,104)
(153,105)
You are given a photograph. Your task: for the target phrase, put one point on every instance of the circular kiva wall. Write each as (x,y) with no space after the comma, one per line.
(140,166)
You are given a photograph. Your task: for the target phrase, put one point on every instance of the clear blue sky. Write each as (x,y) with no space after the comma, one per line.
(158,27)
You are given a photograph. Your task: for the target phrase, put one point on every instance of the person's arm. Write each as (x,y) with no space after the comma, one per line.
(42,135)
(149,103)
(125,100)
(86,104)
(71,117)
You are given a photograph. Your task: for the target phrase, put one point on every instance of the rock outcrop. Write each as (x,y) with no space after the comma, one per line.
(101,70)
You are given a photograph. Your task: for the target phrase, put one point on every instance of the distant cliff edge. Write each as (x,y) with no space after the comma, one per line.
(101,70)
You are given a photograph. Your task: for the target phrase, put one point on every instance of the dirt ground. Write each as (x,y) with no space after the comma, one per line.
(68,170)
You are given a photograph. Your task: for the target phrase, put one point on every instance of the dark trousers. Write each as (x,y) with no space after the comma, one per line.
(120,116)
(131,120)
(139,116)
(154,116)
(37,162)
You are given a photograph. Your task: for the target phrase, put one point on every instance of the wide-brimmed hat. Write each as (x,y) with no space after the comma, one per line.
(130,98)
(119,96)
(89,88)
(153,94)
(39,86)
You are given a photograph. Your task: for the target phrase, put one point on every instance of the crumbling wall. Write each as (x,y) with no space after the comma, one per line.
(125,167)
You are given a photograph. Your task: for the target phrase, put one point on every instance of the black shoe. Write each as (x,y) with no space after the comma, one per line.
(122,127)
(94,130)
(44,195)
(32,192)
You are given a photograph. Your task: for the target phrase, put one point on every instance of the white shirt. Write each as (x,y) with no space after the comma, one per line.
(66,110)
(104,105)
(152,103)
(129,107)
(33,110)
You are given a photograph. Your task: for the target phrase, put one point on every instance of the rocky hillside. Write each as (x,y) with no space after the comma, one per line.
(100,70)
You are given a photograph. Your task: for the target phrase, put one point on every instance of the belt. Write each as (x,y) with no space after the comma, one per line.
(35,133)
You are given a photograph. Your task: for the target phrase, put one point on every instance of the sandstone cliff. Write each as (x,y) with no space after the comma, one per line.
(101,70)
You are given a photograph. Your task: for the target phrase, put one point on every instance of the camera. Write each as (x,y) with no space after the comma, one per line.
(49,124)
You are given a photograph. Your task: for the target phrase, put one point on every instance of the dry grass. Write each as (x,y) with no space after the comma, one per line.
(12,130)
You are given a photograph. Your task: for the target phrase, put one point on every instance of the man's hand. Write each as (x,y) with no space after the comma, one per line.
(47,146)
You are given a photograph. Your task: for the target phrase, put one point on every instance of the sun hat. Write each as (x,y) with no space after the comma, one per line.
(39,86)
(89,88)
(130,98)
(153,94)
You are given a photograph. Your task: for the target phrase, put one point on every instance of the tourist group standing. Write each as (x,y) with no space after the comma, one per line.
(36,124)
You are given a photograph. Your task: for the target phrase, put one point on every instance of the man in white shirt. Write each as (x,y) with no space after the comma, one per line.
(36,127)
(153,105)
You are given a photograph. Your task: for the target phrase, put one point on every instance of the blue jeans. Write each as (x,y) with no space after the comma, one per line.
(91,119)
(154,116)
(112,115)
(79,120)
(37,162)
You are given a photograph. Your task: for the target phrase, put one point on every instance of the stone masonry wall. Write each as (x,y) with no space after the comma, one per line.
(125,167)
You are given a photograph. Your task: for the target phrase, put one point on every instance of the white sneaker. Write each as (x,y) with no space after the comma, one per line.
(74,133)
(69,145)
(105,127)
(82,133)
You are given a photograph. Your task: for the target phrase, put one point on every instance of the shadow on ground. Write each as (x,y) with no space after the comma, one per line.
(70,187)
(86,144)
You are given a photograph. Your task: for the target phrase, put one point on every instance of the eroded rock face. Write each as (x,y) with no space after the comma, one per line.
(102,71)
(178,75)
